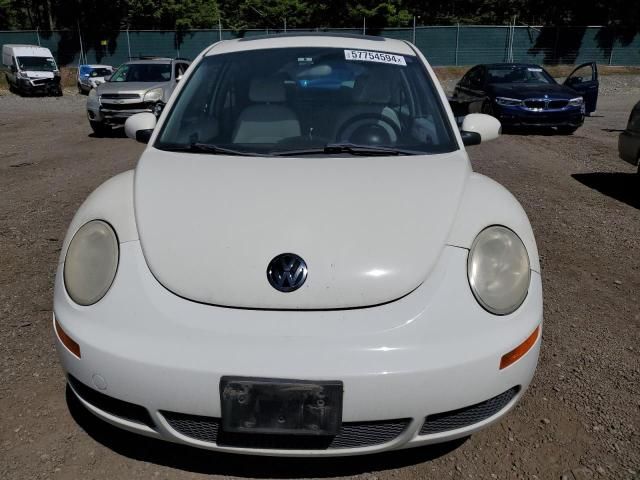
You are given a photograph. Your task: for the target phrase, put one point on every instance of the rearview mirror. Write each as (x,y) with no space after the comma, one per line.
(140,126)
(478,127)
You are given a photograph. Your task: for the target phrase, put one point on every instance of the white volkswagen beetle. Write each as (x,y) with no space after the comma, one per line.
(302,262)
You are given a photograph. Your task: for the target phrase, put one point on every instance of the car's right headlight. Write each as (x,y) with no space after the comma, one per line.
(508,102)
(153,95)
(576,102)
(498,270)
(91,262)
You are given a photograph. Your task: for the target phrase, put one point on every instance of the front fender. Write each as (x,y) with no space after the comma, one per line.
(484,203)
(112,202)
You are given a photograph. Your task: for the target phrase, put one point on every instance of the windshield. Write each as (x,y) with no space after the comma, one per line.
(37,64)
(100,72)
(291,99)
(519,74)
(143,72)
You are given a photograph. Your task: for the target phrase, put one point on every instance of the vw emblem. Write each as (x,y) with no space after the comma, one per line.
(287,272)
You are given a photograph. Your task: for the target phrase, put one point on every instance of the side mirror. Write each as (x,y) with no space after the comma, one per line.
(140,126)
(479,127)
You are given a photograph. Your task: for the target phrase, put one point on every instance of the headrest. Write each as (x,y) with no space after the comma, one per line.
(370,90)
(267,90)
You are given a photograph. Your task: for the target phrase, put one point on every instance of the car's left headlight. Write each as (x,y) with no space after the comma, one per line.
(508,102)
(576,102)
(498,270)
(153,95)
(91,262)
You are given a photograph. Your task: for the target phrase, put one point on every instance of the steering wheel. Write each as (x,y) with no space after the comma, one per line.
(369,125)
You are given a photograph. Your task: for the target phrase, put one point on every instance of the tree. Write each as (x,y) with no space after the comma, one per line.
(171,14)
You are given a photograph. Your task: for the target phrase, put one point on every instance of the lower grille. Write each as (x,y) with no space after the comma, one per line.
(114,406)
(464,417)
(351,434)
(125,106)
(122,96)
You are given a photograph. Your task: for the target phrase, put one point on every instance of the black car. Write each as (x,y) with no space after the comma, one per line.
(521,94)
(629,139)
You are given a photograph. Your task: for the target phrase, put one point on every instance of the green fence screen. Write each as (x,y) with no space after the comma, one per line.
(442,45)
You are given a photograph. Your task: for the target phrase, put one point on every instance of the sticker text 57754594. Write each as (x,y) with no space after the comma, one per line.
(378,57)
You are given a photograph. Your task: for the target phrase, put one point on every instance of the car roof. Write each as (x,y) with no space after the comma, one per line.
(150,60)
(25,49)
(513,65)
(314,39)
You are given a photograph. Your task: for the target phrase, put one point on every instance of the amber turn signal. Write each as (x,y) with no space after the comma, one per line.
(66,340)
(520,351)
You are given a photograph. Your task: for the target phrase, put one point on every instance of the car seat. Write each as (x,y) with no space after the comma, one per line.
(267,120)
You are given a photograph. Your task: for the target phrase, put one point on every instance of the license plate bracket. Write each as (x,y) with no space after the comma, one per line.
(281,406)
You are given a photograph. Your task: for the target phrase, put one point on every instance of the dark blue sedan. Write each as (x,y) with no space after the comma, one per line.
(526,95)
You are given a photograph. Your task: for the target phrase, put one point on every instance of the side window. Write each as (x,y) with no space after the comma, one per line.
(465,79)
(475,78)
(582,75)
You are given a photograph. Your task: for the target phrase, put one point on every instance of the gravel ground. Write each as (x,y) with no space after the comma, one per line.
(579,420)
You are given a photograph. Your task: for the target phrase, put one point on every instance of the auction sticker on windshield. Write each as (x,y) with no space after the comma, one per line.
(378,57)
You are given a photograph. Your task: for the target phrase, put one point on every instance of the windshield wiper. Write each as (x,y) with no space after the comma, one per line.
(198,147)
(350,148)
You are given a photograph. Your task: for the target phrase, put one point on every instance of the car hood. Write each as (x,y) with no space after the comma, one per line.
(127,87)
(36,74)
(522,91)
(369,228)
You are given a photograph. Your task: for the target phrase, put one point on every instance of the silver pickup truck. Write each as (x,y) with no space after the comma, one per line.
(136,86)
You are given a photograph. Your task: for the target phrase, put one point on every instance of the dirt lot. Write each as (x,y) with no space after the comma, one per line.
(579,420)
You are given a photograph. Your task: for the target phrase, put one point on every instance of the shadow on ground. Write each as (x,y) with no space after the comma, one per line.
(197,460)
(624,187)
(117,132)
(526,131)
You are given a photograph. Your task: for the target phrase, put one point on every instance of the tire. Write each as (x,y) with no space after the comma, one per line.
(58,92)
(566,130)
(100,129)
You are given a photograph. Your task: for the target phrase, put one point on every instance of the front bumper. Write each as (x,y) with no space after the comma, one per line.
(112,113)
(44,85)
(433,351)
(571,117)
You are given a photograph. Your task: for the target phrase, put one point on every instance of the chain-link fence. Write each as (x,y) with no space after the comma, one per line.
(442,45)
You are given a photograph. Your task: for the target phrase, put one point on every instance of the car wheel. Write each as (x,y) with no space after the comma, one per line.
(58,92)
(566,130)
(100,128)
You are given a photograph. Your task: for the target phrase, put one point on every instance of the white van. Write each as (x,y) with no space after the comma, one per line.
(31,69)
